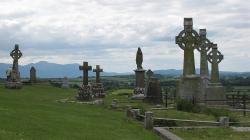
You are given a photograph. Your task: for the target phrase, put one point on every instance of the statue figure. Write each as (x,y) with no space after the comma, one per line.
(139,58)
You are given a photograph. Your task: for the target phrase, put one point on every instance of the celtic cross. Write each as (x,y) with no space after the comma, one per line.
(188,40)
(215,57)
(203,47)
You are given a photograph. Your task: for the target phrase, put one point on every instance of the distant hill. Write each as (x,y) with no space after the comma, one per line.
(52,70)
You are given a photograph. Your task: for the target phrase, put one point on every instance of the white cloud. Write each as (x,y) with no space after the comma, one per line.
(108,32)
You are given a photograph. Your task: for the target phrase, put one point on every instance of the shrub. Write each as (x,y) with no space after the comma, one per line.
(188,106)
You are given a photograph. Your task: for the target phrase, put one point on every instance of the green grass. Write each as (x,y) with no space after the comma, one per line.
(34,113)
(175,114)
(211,134)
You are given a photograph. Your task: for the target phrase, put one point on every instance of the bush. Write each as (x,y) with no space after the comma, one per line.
(188,106)
(217,113)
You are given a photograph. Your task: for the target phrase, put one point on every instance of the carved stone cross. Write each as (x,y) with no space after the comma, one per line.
(204,46)
(85,68)
(98,70)
(215,57)
(188,40)
(16,54)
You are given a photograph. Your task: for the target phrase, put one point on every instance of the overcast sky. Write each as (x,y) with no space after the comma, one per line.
(108,32)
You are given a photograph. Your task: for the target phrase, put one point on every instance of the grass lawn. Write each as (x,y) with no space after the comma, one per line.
(34,113)
(211,134)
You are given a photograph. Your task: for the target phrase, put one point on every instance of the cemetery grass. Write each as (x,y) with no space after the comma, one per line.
(211,134)
(34,113)
(123,100)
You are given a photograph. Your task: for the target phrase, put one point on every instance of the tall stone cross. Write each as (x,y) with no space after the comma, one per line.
(85,68)
(16,54)
(204,46)
(215,57)
(98,70)
(188,40)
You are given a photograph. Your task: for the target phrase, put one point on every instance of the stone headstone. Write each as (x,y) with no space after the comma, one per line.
(65,83)
(97,87)
(153,89)
(85,92)
(33,75)
(15,82)
(189,85)
(215,92)
(139,75)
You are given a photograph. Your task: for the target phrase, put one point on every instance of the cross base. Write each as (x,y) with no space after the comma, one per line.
(13,85)
(98,90)
(85,93)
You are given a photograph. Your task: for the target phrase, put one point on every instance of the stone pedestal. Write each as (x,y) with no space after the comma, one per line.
(98,90)
(153,91)
(139,81)
(215,94)
(85,93)
(189,88)
(13,85)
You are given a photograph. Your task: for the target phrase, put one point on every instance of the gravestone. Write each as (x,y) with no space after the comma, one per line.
(97,87)
(215,92)
(139,89)
(189,84)
(65,83)
(204,46)
(33,75)
(15,82)
(85,91)
(153,93)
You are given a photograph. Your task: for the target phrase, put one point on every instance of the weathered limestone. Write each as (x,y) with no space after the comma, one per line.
(65,83)
(224,121)
(215,92)
(85,92)
(188,40)
(97,87)
(204,46)
(139,89)
(153,93)
(15,82)
(33,75)
(149,120)
(189,84)
(215,57)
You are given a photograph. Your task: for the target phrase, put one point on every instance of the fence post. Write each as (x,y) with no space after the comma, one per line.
(224,121)
(135,113)
(149,120)
(244,104)
(128,113)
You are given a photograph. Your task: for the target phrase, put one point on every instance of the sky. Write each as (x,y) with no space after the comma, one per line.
(108,32)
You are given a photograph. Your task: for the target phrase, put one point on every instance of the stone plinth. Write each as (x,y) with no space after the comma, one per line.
(85,93)
(13,85)
(153,91)
(139,81)
(189,88)
(140,78)
(215,94)
(98,90)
